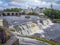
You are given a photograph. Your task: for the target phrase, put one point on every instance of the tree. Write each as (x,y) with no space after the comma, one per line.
(7,10)
(33,13)
(13,10)
(52,13)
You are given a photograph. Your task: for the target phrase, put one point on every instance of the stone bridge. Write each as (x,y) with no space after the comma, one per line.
(10,13)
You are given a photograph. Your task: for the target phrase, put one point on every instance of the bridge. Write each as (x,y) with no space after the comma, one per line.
(10,13)
(3,13)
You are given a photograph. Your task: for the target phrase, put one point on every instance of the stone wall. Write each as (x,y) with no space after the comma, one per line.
(10,13)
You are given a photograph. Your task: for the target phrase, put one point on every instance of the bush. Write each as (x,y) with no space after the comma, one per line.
(33,13)
(4,35)
(1,44)
(56,20)
(52,13)
(7,35)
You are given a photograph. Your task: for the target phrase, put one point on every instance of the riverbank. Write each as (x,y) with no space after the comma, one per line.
(57,20)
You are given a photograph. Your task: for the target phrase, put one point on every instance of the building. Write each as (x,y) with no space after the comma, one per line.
(28,10)
(38,10)
(23,11)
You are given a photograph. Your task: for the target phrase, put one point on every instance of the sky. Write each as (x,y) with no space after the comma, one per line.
(29,3)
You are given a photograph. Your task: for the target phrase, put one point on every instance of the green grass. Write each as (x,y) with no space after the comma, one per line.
(57,20)
(1,44)
(6,35)
(44,40)
(40,39)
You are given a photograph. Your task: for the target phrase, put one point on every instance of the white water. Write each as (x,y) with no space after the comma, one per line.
(32,26)
(43,26)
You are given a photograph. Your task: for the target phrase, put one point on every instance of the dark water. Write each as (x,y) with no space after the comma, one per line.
(20,19)
(17,19)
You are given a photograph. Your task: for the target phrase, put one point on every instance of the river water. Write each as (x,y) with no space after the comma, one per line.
(20,19)
(51,32)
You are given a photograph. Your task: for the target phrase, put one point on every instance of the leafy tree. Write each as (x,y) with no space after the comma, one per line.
(52,13)
(33,13)
(7,10)
(13,10)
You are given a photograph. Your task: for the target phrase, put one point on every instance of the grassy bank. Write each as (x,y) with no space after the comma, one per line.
(44,40)
(57,20)
(40,39)
(1,44)
(6,35)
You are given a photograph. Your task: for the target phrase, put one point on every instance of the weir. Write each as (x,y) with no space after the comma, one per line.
(32,26)
(35,25)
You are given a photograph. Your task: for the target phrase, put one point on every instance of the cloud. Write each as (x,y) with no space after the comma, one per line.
(28,3)
(52,1)
(3,4)
(58,2)
(0,2)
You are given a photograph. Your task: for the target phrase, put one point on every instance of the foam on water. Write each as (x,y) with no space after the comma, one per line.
(43,26)
(32,26)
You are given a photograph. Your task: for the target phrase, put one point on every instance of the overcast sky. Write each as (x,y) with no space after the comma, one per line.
(29,3)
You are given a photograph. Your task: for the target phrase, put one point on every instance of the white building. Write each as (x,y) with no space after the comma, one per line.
(28,10)
(39,10)
(36,10)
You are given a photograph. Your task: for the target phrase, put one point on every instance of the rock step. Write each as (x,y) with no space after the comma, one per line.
(11,40)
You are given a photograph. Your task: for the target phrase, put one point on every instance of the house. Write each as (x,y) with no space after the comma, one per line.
(39,10)
(28,10)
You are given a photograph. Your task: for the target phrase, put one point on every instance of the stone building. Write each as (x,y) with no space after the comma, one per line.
(38,10)
(24,11)
(28,10)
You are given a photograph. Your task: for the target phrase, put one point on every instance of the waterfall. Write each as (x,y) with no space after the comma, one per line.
(31,28)
(35,26)
(39,24)
(49,22)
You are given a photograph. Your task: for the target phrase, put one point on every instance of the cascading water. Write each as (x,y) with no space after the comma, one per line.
(43,26)
(34,25)
(30,28)
(50,22)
